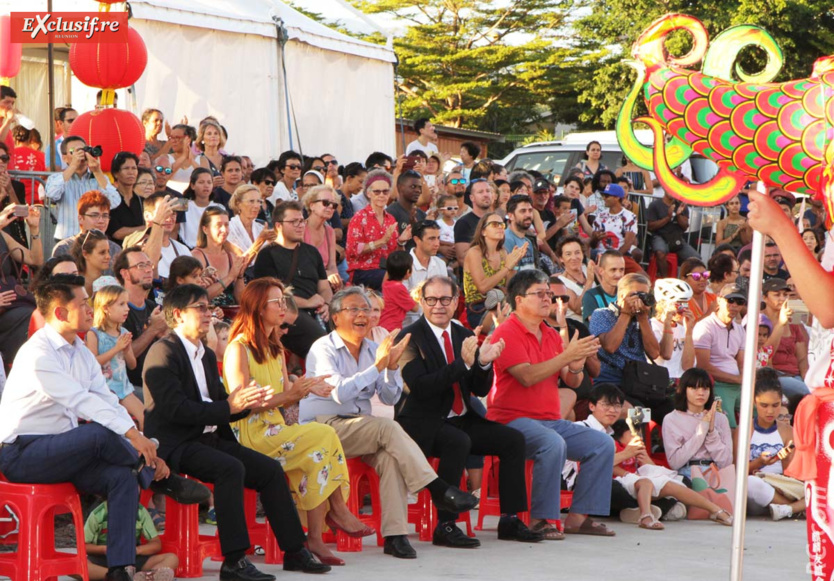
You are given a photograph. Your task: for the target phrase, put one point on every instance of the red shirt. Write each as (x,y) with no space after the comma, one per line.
(629,465)
(397,303)
(365,228)
(509,400)
(785,359)
(28,159)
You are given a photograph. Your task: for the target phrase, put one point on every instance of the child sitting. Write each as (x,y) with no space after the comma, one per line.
(151,565)
(111,344)
(397,299)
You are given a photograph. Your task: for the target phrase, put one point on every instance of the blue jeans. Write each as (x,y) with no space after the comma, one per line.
(96,461)
(549,443)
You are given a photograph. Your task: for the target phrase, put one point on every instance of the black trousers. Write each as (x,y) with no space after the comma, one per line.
(231,467)
(471,434)
(621,499)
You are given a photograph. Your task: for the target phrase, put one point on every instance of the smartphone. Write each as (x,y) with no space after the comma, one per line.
(21,211)
(180,204)
(430,180)
(681,307)
(718,407)
(801,313)
(410,162)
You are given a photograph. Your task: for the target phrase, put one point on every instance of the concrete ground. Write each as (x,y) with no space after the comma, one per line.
(686,550)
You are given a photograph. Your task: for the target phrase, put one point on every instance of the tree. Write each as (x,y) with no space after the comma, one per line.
(484,65)
(803,28)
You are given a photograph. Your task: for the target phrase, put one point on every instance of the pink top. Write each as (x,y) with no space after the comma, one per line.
(686,437)
(365,228)
(324,248)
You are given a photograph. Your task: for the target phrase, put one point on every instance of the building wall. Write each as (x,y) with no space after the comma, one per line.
(445,143)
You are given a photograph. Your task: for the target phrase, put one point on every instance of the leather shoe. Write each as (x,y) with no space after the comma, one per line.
(449,535)
(456,501)
(399,547)
(511,528)
(182,490)
(243,570)
(121,574)
(304,561)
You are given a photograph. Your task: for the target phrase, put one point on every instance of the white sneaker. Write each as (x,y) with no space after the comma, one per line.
(677,512)
(780,511)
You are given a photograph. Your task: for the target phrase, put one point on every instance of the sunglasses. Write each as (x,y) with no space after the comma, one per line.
(269,182)
(457,182)
(500,225)
(166,170)
(563,298)
(735,301)
(318,168)
(5,158)
(292,166)
(327,203)
(331,162)
(698,276)
(449,208)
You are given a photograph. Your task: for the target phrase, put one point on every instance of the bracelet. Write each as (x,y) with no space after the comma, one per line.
(157,223)
(576,372)
(35,236)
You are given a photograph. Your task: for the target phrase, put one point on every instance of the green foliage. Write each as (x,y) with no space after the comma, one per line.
(803,28)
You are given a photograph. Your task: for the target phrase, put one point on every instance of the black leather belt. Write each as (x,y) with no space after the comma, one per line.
(700,462)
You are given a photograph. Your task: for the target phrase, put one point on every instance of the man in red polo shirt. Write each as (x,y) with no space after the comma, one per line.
(525,396)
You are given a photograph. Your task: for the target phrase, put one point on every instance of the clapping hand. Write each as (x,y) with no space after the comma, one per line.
(580,349)
(490,352)
(516,255)
(247,397)
(468,349)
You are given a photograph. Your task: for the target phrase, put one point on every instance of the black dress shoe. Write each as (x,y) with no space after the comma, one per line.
(449,535)
(182,490)
(511,528)
(121,574)
(456,501)
(304,561)
(398,546)
(243,570)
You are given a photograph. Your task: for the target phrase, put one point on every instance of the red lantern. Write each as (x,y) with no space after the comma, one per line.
(114,130)
(110,65)
(10,52)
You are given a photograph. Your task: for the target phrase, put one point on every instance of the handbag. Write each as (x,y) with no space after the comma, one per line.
(645,381)
(673,238)
(23,298)
(715,485)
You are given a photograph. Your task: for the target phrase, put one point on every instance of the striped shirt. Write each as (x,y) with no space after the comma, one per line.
(66,195)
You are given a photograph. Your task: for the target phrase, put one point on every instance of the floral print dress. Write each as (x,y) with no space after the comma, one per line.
(310,454)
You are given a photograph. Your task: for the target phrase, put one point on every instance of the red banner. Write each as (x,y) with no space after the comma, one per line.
(68,27)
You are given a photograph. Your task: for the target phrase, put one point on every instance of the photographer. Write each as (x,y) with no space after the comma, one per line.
(625,334)
(83,173)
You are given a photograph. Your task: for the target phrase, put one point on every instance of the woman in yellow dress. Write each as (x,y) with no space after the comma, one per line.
(310,454)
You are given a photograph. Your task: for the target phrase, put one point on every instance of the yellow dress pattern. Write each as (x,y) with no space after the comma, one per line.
(310,454)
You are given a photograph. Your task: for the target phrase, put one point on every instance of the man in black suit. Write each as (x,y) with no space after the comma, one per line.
(442,367)
(190,414)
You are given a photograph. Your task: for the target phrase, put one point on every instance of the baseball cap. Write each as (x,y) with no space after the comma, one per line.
(774,285)
(541,184)
(732,291)
(780,195)
(615,190)
(493,299)
(765,322)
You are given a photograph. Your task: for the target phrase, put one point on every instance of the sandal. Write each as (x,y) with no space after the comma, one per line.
(716,516)
(591,527)
(653,524)
(549,531)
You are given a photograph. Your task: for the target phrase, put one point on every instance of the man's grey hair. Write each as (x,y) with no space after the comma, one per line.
(339,297)
(519,175)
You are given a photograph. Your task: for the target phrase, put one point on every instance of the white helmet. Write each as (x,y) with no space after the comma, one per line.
(672,290)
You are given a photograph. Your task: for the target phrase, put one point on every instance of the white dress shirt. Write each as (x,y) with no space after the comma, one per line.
(419,273)
(54,383)
(195,357)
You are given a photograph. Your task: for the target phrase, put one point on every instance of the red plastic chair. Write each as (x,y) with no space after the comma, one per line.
(658,458)
(360,473)
(182,537)
(423,514)
(671,263)
(35,505)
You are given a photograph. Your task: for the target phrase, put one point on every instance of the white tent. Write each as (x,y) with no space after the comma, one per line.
(226,58)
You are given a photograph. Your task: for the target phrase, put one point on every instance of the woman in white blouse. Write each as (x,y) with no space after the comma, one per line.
(245,231)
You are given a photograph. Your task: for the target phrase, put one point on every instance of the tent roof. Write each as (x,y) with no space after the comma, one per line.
(257,17)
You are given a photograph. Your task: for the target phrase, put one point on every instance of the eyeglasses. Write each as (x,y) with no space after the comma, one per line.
(97,216)
(449,208)
(318,168)
(282,301)
(563,298)
(295,223)
(610,406)
(269,182)
(331,162)
(432,301)
(696,276)
(87,235)
(784,417)
(736,301)
(203,308)
(5,158)
(500,225)
(457,181)
(292,166)
(356,310)
(384,192)
(142,266)
(327,203)
(166,170)
(541,294)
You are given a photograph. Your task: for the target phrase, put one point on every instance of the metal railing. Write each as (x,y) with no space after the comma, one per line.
(37,179)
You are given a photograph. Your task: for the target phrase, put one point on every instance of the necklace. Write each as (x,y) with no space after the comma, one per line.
(576,280)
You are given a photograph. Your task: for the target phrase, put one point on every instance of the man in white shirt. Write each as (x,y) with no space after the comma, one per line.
(56,380)
(425,263)
(426,138)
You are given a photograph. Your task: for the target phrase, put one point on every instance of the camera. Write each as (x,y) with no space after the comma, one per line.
(95,150)
(647,298)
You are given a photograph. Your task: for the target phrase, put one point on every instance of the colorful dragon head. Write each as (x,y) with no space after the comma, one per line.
(779,133)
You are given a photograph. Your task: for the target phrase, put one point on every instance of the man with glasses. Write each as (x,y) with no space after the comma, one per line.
(455,185)
(525,396)
(145,321)
(66,117)
(158,239)
(480,193)
(719,348)
(288,169)
(83,173)
(93,214)
(358,369)
(442,368)
(190,415)
(299,265)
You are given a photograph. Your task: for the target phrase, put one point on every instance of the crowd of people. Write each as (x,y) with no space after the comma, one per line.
(200,316)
